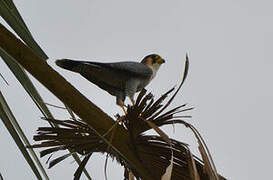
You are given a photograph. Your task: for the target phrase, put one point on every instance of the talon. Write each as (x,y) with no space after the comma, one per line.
(132,100)
(122,105)
(123,109)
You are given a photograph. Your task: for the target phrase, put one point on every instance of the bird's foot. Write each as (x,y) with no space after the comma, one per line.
(124,110)
(132,100)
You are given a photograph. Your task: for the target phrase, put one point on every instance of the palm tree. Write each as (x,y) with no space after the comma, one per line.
(122,138)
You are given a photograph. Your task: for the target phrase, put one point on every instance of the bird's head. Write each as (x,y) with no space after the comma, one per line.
(153,61)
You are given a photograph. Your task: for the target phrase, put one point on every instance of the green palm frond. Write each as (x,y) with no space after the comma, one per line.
(9,120)
(12,16)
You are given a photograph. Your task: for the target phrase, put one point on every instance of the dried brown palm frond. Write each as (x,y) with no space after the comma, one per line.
(154,152)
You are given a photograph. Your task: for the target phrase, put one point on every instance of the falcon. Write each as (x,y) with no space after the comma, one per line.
(120,79)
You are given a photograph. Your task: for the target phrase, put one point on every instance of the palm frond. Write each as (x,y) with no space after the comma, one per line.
(8,119)
(152,151)
(96,142)
(11,15)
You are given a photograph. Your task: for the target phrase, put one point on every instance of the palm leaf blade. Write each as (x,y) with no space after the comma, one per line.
(5,116)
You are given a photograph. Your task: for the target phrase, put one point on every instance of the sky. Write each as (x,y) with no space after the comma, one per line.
(229,83)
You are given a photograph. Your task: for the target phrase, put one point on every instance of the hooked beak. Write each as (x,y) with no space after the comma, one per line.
(161,61)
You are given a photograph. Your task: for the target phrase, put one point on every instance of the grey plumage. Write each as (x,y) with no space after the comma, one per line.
(120,79)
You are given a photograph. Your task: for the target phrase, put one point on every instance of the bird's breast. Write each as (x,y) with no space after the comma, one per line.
(143,84)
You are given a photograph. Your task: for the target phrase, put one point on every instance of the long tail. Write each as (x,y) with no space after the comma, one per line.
(69,64)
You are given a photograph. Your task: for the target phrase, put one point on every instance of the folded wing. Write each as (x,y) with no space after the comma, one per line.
(111,77)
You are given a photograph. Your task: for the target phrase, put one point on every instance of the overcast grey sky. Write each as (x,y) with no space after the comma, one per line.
(229,83)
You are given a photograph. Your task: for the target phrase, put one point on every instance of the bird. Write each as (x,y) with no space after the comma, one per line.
(120,79)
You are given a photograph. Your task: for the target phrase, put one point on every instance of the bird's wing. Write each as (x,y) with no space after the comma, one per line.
(113,77)
(132,69)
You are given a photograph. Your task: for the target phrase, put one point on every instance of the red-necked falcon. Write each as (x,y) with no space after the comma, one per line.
(120,79)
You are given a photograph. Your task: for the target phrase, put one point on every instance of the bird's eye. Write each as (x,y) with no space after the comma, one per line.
(154,60)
